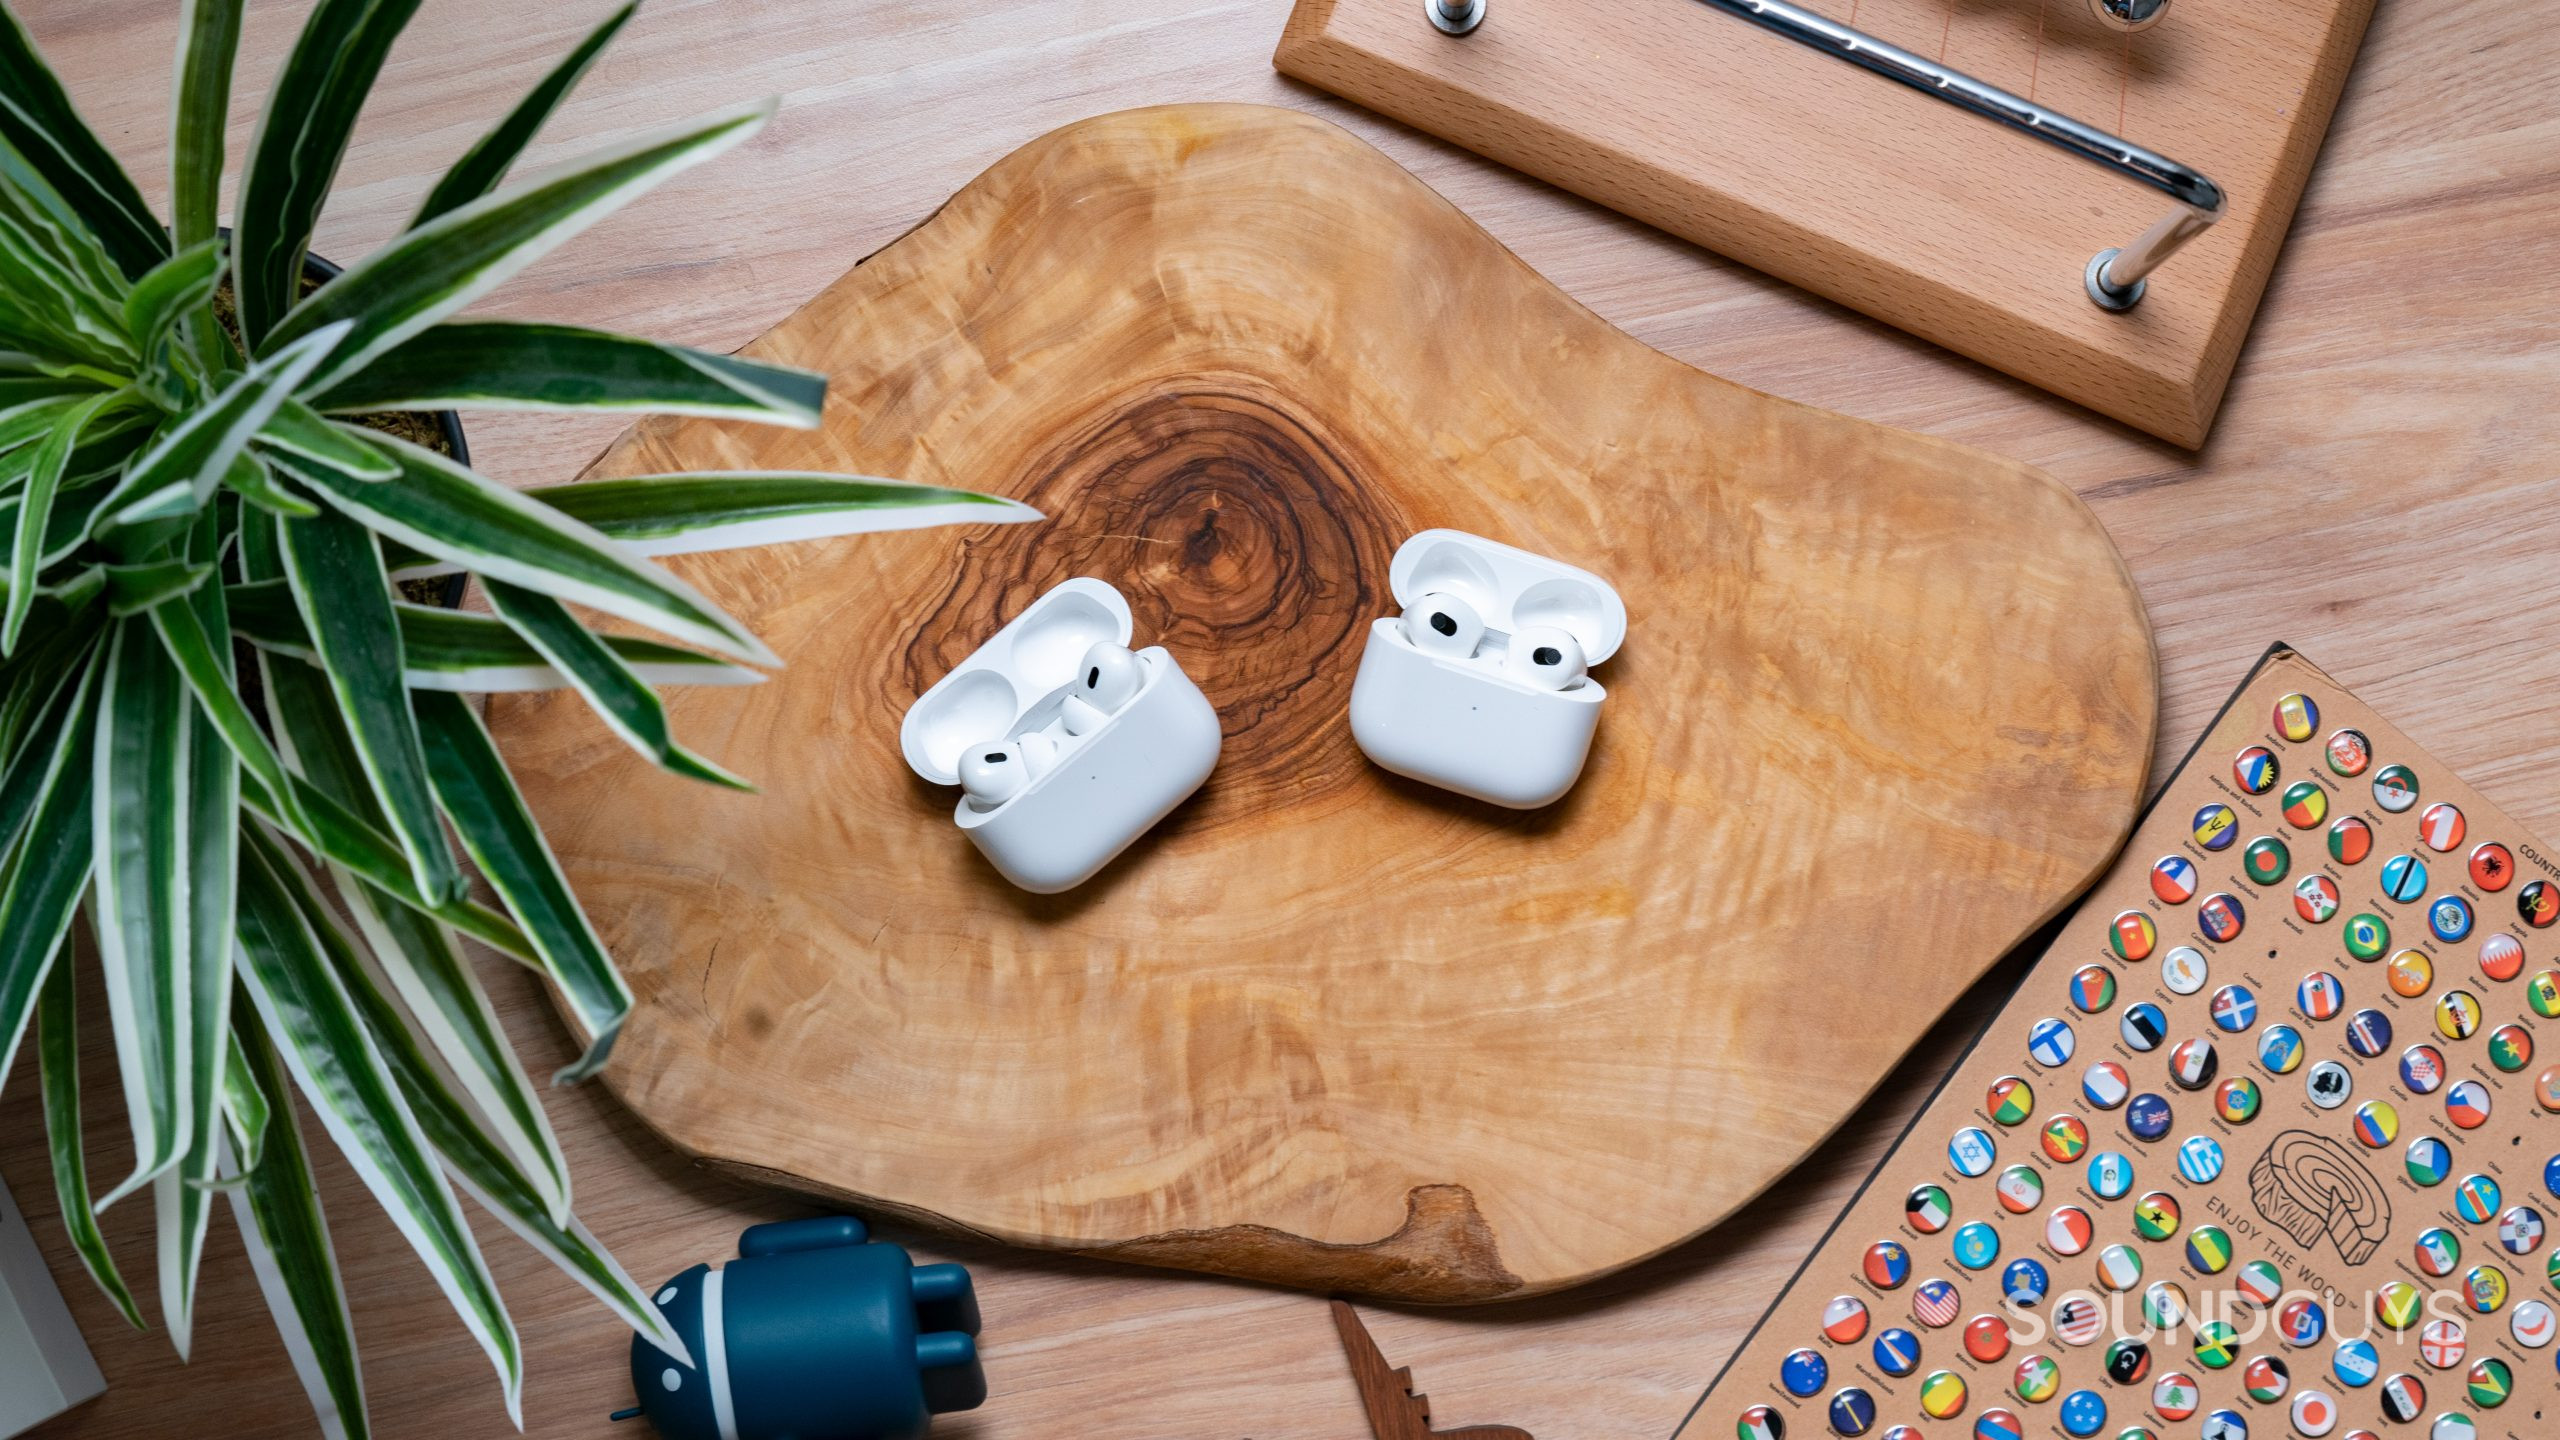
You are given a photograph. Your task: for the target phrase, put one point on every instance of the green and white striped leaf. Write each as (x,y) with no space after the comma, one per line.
(518,365)
(252,481)
(345,599)
(278,1211)
(208,42)
(300,430)
(205,661)
(140,907)
(471,654)
(485,164)
(42,880)
(188,460)
(36,119)
(37,713)
(444,510)
(133,589)
(480,796)
(293,158)
(177,287)
(246,1110)
(619,696)
(454,259)
(63,298)
(35,509)
(334,1064)
(58,1055)
(182,1197)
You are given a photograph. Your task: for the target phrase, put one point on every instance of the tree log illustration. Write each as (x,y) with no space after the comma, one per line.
(2309,1186)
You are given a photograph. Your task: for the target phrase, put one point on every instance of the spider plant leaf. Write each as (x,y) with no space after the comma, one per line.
(253,481)
(345,599)
(36,738)
(182,1197)
(454,259)
(172,290)
(293,158)
(658,515)
(140,908)
(204,658)
(278,1212)
(485,164)
(245,1107)
(61,296)
(36,119)
(286,935)
(43,877)
(471,654)
(35,509)
(58,1055)
(619,697)
(135,589)
(519,365)
(450,513)
(481,798)
(298,429)
(187,460)
(208,43)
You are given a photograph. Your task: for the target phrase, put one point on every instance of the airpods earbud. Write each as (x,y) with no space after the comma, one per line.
(1110,677)
(997,770)
(1443,625)
(1546,657)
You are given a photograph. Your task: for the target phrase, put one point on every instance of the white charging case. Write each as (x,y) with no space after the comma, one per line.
(1108,786)
(1465,725)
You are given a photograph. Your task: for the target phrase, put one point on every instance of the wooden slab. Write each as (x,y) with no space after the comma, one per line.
(1882,198)
(1885,705)
(2329,1194)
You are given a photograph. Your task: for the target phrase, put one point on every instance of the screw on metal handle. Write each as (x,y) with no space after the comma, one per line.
(1454,17)
(2115,278)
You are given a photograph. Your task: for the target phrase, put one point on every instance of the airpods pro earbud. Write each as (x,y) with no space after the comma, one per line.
(1443,625)
(995,771)
(1507,720)
(1111,676)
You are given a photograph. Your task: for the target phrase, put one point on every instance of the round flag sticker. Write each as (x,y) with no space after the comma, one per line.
(1998,1425)
(2050,1041)
(2266,859)
(2315,898)
(1942,1395)
(1803,1372)
(2147,1116)
(2037,1379)
(2306,805)
(2078,1320)
(2215,827)
(2449,918)
(2430,1160)
(2144,1026)
(1759,1422)
(2260,1283)
(2119,1268)
(1887,1265)
(2297,717)
(2066,1138)
(2546,1093)
(2266,1378)
(2280,1049)
(2023,1284)
(2320,995)
(2302,1322)
(2128,1361)
(2155,1216)
(1976,1245)
(2011,1100)
(2219,917)
(2164,1307)
(2533,1325)
(2200,1159)
(2369,1033)
(2367,937)
(2175,1397)
(1844,1320)
(2106,1085)
(2329,1084)
(2110,1175)
(2441,827)
(2217,1345)
(2439,1251)
(2193,1064)
(1897,1351)
(2404,878)
(2489,1382)
(2183,970)
(1971,1152)
(2377,1124)
(2411,974)
(2173,879)
(2235,1008)
(2396,1304)
(2441,1344)
(2083,1413)
(2314,1414)
(2453,1425)
(2395,788)
(2467,1105)
(2133,935)
(2422,1069)
(2209,1250)
(2093,988)
(2021,1190)
(2350,840)
(2254,770)
(2542,992)
(2458,1014)
(2501,957)
(2355,1363)
(2538,904)
(2349,752)
(1935,1303)
(2520,1230)
(2476,1198)
(1853,1412)
(2484,1289)
(2493,866)
(2236,1100)
(1928,1209)
(2510,1048)
(2068,1230)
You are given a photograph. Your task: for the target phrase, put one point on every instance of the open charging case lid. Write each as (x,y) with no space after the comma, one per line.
(1030,660)
(1510,588)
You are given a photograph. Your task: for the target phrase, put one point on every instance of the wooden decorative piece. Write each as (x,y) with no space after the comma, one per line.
(1386,1393)
(2269,1128)
(1873,195)
(1885,706)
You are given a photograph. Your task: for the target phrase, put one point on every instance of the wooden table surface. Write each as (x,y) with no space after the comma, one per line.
(2383,490)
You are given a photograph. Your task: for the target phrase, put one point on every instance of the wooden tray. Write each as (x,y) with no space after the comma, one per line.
(1885,706)
(2328,1194)
(1880,198)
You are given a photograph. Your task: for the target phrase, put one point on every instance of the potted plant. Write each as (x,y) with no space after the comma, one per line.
(180,490)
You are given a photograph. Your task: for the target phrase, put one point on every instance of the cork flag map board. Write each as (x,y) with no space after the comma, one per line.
(2266,1145)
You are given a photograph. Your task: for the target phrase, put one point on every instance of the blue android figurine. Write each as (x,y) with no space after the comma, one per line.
(811,1334)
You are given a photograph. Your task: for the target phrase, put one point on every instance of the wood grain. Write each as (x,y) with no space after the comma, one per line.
(2388,436)
(1929,218)
(1325,1027)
